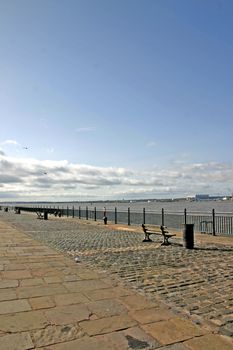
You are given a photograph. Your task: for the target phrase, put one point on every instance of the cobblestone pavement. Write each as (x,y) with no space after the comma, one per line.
(197,283)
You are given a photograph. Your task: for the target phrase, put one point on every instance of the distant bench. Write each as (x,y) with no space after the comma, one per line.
(44,214)
(57,213)
(157,230)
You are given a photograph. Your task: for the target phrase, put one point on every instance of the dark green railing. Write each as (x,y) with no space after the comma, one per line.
(210,223)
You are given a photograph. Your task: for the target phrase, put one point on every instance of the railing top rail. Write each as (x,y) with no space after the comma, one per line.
(125,210)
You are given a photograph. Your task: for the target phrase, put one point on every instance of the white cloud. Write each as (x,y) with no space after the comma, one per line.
(10,142)
(34,179)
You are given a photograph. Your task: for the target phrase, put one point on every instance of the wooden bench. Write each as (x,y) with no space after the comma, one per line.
(157,230)
(40,215)
(57,213)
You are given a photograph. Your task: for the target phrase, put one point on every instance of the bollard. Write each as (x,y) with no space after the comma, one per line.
(188,237)
(144,216)
(45,215)
(129,216)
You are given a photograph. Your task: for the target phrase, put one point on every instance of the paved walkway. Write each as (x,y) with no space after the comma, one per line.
(47,301)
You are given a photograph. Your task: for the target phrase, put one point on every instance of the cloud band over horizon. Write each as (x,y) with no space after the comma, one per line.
(31,179)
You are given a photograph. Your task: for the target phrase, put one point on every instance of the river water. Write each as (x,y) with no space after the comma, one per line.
(220,206)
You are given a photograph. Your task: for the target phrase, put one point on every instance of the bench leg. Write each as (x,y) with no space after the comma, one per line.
(147,238)
(40,216)
(165,241)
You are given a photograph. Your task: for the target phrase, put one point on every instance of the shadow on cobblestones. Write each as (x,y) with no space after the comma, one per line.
(226,249)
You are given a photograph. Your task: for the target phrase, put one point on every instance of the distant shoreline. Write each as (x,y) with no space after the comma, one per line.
(173,206)
(150,200)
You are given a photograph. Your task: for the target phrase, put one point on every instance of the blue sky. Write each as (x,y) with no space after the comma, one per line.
(112,99)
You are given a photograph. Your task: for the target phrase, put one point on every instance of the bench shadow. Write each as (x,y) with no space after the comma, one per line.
(219,248)
(214,249)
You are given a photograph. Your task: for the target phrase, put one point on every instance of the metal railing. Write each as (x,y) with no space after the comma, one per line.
(210,223)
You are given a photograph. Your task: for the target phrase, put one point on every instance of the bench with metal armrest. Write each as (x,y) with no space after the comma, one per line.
(157,230)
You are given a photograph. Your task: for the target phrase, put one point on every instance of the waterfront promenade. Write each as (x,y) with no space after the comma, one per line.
(120,294)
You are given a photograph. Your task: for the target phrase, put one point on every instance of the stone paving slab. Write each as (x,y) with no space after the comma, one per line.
(55,303)
(83,344)
(16,341)
(107,324)
(208,342)
(23,321)
(173,331)
(13,306)
(152,315)
(54,334)
(133,338)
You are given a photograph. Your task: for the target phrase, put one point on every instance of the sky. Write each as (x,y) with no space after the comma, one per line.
(115,99)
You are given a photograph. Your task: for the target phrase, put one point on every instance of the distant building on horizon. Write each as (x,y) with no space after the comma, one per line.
(202,197)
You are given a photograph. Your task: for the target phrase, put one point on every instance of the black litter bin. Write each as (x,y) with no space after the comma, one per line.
(188,236)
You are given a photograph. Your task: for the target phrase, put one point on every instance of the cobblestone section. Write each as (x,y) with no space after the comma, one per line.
(197,283)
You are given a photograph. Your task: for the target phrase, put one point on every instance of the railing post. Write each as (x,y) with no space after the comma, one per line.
(185,216)
(213,219)
(105,216)
(129,216)
(115,215)
(86,213)
(95,213)
(67,211)
(162,217)
(144,216)
(79,212)
(73,211)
